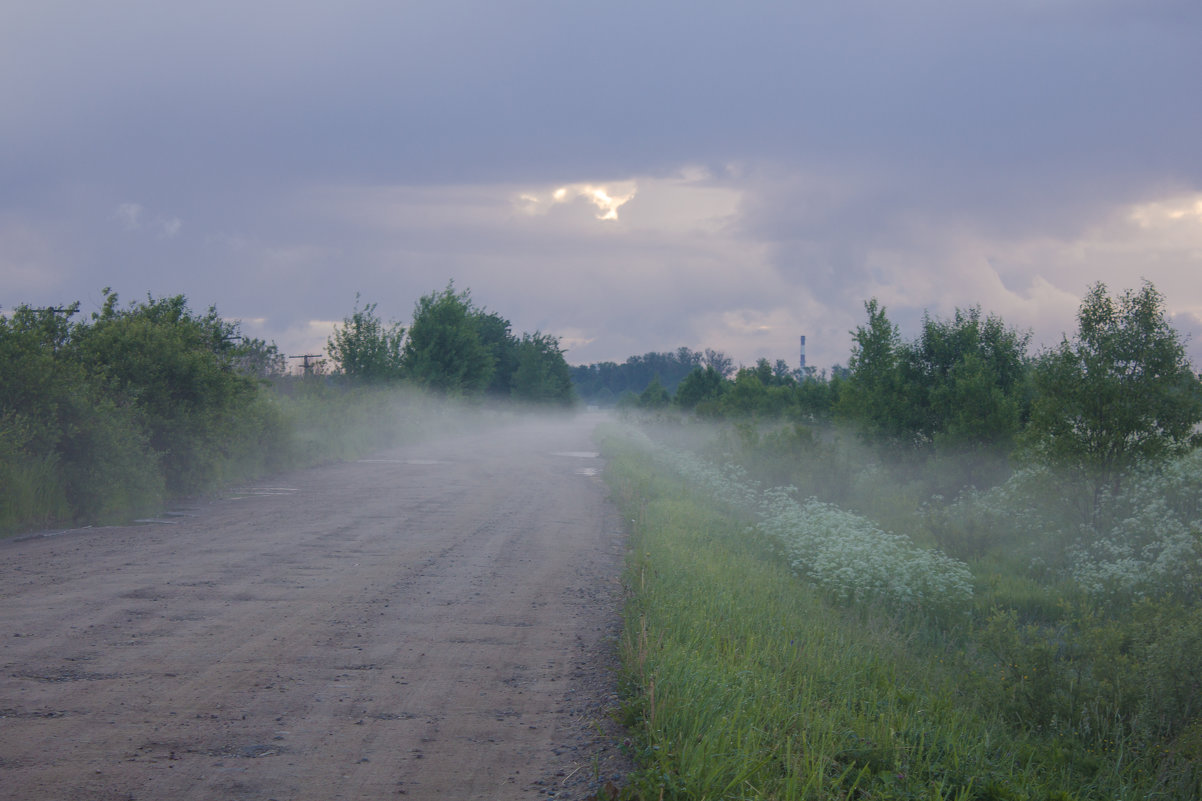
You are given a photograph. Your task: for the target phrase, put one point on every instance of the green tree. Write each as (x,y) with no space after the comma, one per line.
(763,371)
(365,348)
(38,376)
(636,372)
(872,394)
(542,375)
(655,396)
(1119,393)
(718,360)
(176,368)
(43,397)
(747,395)
(258,358)
(444,350)
(503,347)
(698,386)
(967,377)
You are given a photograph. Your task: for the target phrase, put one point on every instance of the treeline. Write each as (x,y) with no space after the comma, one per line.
(1117,393)
(455,348)
(605,383)
(104,417)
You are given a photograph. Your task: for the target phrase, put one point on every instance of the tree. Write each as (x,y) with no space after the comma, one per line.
(872,393)
(698,386)
(366,349)
(258,358)
(1120,392)
(967,377)
(444,350)
(177,370)
(542,375)
(782,374)
(636,372)
(719,361)
(747,395)
(655,396)
(37,378)
(503,347)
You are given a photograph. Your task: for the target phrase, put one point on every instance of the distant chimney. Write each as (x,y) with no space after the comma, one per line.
(803,353)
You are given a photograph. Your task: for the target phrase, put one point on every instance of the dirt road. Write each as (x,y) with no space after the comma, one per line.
(435,622)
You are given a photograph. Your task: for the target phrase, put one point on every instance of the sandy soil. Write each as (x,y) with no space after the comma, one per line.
(435,622)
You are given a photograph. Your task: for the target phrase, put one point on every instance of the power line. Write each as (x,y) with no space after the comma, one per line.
(307,357)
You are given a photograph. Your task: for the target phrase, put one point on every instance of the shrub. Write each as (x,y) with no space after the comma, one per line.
(1147,539)
(30,492)
(844,553)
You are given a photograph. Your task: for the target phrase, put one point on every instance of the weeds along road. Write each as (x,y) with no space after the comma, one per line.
(434,622)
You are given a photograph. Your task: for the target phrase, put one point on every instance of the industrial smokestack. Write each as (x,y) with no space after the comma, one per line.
(803,353)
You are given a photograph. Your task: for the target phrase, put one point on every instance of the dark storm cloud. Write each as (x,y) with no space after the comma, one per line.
(496,91)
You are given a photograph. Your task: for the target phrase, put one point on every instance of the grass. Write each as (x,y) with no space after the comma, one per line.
(743,682)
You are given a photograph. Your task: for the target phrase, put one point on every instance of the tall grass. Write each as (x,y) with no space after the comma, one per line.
(743,681)
(29,491)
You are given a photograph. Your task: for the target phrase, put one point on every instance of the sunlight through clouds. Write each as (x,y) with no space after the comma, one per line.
(607,198)
(1165,213)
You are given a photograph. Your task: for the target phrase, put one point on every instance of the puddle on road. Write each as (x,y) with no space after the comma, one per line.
(401,461)
(581,471)
(249,492)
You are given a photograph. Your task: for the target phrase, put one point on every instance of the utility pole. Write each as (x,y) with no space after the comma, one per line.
(307,357)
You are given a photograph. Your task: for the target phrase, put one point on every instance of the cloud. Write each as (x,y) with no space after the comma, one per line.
(134,217)
(608,198)
(169,227)
(129,215)
(843,241)
(732,180)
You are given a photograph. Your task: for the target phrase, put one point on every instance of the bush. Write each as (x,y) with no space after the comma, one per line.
(107,466)
(104,418)
(30,490)
(1147,539)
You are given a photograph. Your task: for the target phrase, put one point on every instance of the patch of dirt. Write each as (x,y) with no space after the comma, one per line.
(439,621)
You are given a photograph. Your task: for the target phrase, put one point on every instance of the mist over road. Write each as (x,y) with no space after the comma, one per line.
(431,622)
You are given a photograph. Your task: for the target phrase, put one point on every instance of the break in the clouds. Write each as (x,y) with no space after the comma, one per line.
(607,198)
(628,176)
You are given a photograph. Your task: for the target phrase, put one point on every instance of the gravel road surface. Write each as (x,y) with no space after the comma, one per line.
(437,621)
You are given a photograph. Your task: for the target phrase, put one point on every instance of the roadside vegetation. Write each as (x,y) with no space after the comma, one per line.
(105,418)
(955,570)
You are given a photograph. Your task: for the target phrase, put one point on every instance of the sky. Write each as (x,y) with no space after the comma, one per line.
(628,176)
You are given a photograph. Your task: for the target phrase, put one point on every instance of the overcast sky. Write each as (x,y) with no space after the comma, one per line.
(630,176)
